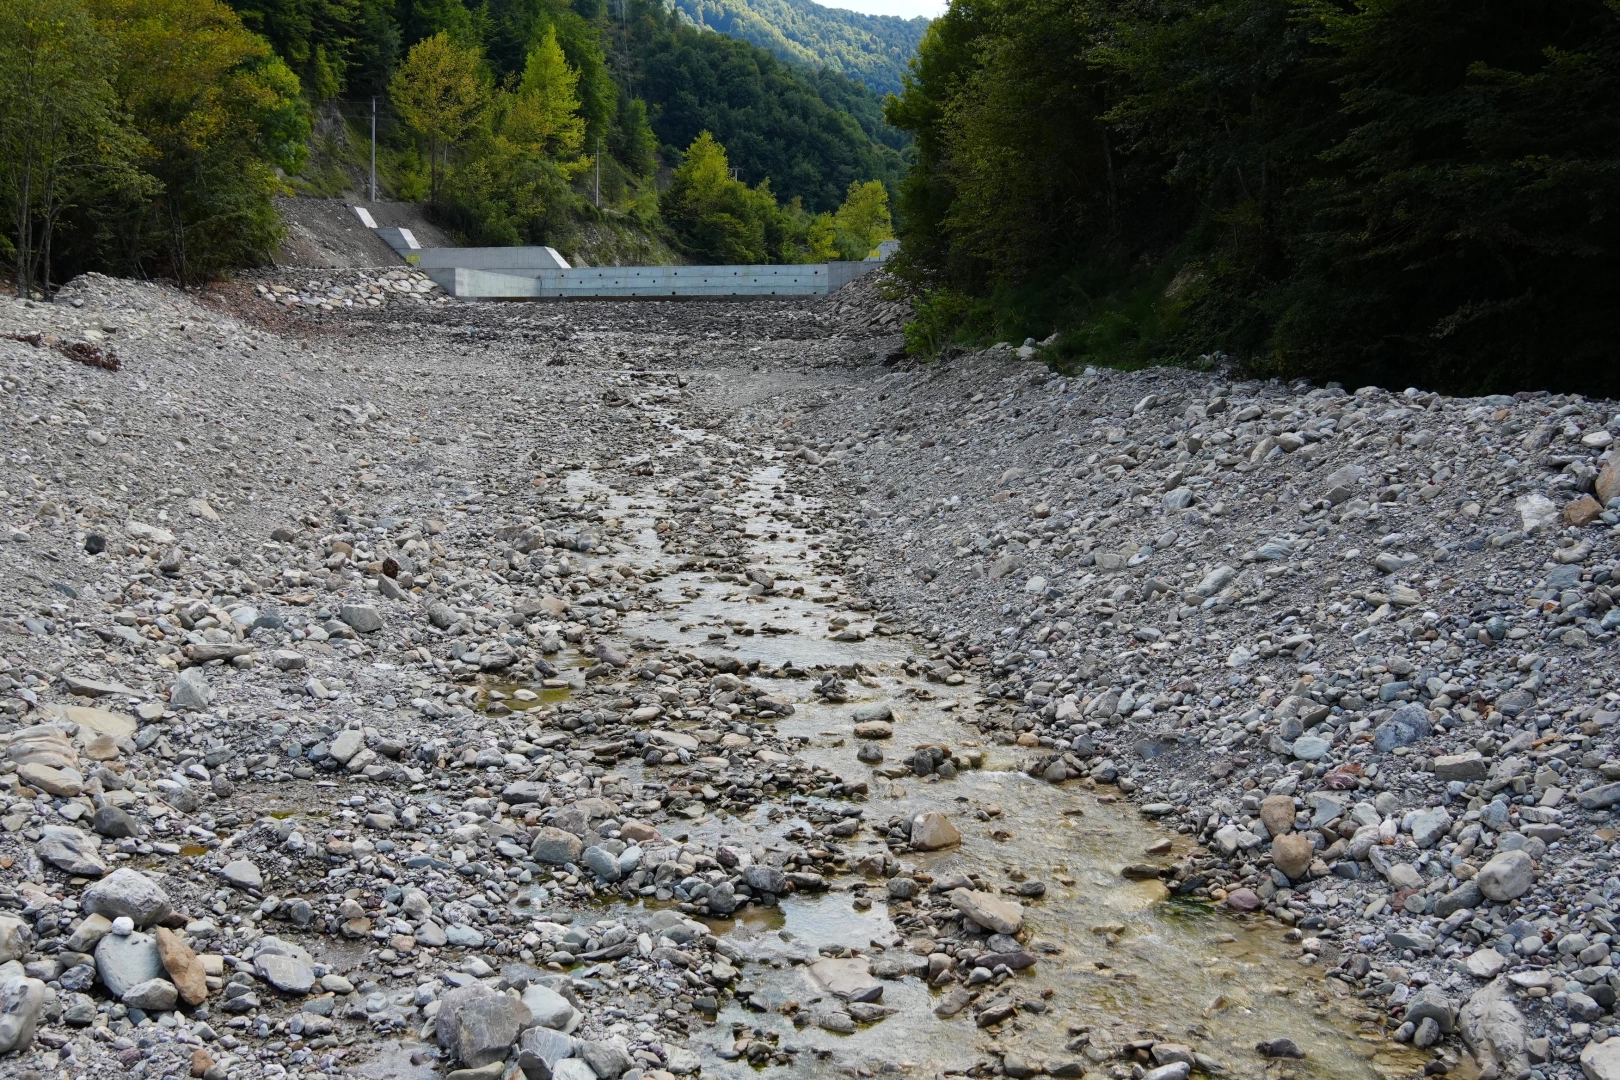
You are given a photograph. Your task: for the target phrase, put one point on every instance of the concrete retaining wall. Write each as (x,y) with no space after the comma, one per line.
(668,282)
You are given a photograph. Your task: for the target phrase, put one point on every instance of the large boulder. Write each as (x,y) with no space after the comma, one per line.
(1507,876)
(477,1024)
(933,831)
(127,892)
(555,847)
(21,1002)
(1493,1029)
(1601,1060)
(848,979)
(550,1010)
(70,849)
(1408,725)
(124,961)
(1292,853)
(991,912)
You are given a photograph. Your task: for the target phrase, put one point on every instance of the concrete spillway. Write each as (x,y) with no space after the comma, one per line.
(534,273)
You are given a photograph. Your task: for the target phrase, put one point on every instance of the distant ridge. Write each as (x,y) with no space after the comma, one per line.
(873,49)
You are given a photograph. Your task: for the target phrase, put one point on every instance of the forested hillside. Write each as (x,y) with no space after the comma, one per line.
(1410,191)
(872,49)
(148,137)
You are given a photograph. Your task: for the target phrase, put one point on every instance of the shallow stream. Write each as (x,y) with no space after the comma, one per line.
(1131,963)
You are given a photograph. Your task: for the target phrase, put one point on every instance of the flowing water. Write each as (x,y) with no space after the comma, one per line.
(1124,961)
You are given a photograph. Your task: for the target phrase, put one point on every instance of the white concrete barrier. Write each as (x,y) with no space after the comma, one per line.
(667,282)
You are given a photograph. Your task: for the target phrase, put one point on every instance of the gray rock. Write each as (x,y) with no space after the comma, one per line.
(1432,1003)
(573,1069)
(126,961)
(1467,767)
(476,1024)
(1429,826)
(14,936)
(71,850)
(345,744)
(991,912)
(1507,876)
(601,863)
(1601,1060)
(766,879)
(153,995)
(22,1001)
(555,847)
(1176,1070)
(1581,1007)
(722,899)
(1466,895)
(242,874)
(539,1051)
(1408,725)
(1515,702)
(364,618)
(608,1060)
(1599,798)
(463,936)
(289,974)
(111,821)
(848,979)
(520,792)
(126,892)
(191,690)
(1311,748)
(1216,580)
(1493,1030)
(873,712)
(550,1010)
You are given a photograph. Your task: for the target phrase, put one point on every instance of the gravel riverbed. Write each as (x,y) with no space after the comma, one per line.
(630,690)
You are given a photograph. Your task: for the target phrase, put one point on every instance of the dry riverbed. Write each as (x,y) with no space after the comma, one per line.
(623,691)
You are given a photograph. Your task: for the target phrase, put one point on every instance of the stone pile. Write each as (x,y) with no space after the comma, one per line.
(406,696)
(337,291)
(1360,645)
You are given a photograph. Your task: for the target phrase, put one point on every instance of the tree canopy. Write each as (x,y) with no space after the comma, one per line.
(1402,191)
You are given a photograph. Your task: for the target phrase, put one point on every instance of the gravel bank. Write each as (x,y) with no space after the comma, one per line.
(439,687)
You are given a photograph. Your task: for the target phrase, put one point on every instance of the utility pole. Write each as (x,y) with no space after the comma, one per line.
(373,148)
(599,172)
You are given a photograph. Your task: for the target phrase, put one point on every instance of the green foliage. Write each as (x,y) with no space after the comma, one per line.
(1401,191)
(164,128)
(141,136)
(61,140)
(862,222)
(716,218)
(941,317)
(441,92)
(871,49)
(770,117)
(544,117)
(332,45)
(633,142)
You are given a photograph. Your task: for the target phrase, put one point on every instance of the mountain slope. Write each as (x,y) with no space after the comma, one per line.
(873,49)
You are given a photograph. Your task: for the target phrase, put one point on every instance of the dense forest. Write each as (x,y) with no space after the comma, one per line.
(1393,191)
(872,49)
(148,137)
